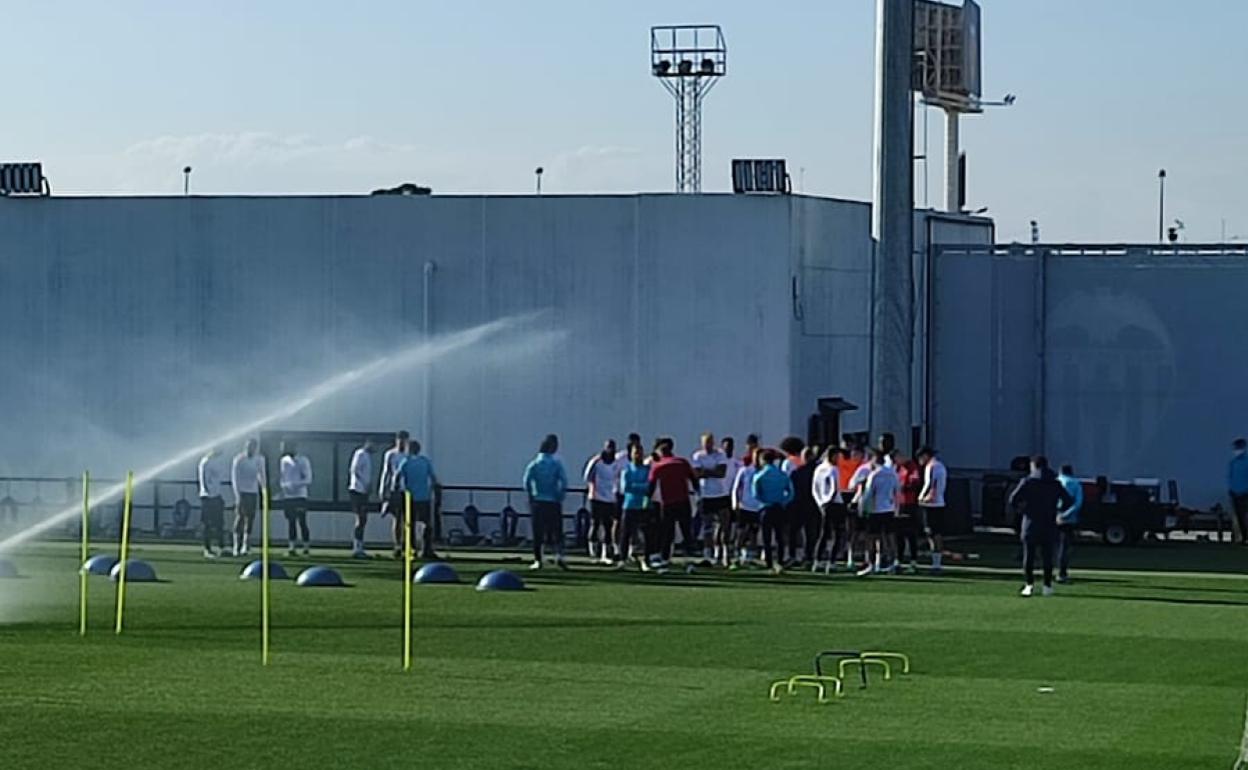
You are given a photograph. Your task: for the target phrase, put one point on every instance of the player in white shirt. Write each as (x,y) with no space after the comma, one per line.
(826,486)
(746,508)
(390,490)
(602,476)
(294,475)
(711,467)
(247,476)
(359,477)
(858,520)
(879,500)
(212,503)
(932,501)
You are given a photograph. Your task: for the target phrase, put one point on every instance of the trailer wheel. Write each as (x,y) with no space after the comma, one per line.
(1116,533)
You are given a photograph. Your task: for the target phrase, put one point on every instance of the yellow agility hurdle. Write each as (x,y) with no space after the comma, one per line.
(898,656)
(838,687)
(863,662)
(791,685)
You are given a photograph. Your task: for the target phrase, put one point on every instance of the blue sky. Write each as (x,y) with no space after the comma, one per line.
(274,96)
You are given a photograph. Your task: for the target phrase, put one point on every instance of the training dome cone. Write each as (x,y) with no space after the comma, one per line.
(100,564)
(436,572)
(136,572)
(500,580)
(8,569)
(319,577)
(255,571)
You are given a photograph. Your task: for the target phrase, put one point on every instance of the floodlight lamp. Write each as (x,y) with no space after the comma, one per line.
(686,67)
(708,66)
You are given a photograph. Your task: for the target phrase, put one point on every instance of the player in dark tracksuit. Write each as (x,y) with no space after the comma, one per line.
(804,519)
(1037,498)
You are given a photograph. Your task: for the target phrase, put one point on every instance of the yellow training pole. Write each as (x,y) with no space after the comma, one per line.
(82,573)
(125,548)
(407,581)
(264,578)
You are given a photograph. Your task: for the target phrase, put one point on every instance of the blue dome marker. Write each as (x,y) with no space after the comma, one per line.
(136,572)
(319,577)
(255,571)
(500,580)
(436,572)
(100,564)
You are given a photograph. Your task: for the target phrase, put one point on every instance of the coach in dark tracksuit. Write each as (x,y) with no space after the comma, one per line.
(1037,499)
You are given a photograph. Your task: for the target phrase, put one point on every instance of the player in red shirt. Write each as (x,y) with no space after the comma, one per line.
(675,479)
(909,521)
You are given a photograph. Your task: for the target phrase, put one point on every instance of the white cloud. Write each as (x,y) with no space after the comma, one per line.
(262,161)
(254,147)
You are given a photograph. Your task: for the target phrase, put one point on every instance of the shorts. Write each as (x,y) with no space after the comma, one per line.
(603,513)
(936,521)
(212,512)
(394,504)
(881,523)
(422,511)
(909,518)
(835,515)
(746,518)
(716,513)
(295,507)
(247,504)
(359,503)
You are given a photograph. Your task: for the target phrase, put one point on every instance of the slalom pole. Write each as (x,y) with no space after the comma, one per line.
(264,577)
(407,581)
(125,548)
(82,570)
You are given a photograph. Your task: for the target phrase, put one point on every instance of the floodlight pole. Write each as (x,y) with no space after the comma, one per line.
(892,222)
(1161,207)
(953,191)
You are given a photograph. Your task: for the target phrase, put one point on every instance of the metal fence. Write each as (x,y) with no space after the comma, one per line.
(169,509)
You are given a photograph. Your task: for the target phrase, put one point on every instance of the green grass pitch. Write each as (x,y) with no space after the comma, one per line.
(611,670)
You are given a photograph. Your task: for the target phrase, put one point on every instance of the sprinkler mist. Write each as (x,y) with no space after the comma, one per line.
(414,355)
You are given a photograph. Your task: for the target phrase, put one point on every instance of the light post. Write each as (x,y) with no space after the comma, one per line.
(1161,206)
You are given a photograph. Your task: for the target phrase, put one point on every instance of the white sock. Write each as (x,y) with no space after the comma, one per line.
(235,542)
(936,558)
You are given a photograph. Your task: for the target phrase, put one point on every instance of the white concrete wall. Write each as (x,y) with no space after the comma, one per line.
(832,257)
(132,326)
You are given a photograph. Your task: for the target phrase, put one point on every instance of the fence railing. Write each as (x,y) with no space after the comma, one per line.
(170,509)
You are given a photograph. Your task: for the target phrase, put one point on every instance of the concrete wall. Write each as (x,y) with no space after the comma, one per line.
(931,229)
(1121,361)
(134,326)
(831,308)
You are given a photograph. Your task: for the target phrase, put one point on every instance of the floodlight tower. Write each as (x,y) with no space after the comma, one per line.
(688,60)
(948,73)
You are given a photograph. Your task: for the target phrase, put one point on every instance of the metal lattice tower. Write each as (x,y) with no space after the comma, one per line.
(688,60)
